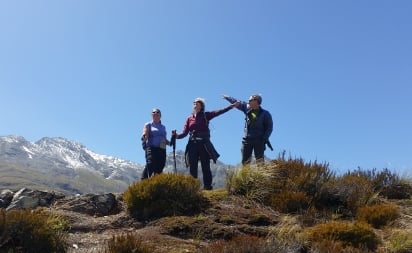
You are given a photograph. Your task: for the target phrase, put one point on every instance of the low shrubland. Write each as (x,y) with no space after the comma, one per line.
(316,211)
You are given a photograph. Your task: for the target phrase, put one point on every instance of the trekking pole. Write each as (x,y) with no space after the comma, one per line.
(173,142)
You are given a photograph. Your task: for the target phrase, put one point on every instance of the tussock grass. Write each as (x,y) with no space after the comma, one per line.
(127,243)
(399,241)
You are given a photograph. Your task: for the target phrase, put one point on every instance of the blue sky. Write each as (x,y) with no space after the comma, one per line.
(335,75)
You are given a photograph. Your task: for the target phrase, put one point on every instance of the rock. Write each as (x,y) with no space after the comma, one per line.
(28,199)
(5,198)
(91,204)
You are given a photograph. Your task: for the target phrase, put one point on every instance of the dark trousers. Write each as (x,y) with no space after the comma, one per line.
(250,146)
(196,152)
(155,161)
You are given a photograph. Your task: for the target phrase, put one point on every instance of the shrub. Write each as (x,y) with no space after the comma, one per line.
(378,215)
(306,175)
(126,243)
(296,175)
(355,190)
(289,185)
(31,232)
(356,235)
(388,183)
(164,195)
(289,201)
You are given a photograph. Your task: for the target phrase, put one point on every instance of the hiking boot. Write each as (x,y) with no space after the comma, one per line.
(208,188)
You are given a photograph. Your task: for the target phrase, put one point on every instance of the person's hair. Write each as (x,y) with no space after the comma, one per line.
(257,97)
(201,101)
(156,110)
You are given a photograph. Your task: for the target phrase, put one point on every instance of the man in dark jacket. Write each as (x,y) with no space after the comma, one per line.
(258,127)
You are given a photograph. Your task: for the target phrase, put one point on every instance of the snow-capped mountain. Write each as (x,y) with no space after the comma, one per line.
(68,166)
(60,159)
(68,154)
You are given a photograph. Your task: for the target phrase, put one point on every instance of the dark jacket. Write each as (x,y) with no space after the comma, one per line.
(210,149)
(197,126)
(256,128)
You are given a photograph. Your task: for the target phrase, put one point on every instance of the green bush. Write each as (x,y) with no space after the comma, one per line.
(356,235)
(378,215)
(126,243)
(31,232)
(164,195)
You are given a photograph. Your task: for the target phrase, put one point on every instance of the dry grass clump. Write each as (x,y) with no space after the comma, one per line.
(31,232)
(253,183)
(399,241)
(288,235)
(126,243)
(164,195)
(378,215)
(344,234)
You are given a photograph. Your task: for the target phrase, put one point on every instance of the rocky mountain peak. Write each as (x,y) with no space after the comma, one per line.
(70,167)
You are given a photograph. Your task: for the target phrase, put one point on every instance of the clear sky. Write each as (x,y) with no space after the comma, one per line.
(335,75)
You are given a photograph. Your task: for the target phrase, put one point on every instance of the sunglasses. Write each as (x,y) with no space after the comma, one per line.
(156,112)
(253,99)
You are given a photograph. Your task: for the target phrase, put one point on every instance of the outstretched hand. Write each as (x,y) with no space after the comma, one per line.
(235,104)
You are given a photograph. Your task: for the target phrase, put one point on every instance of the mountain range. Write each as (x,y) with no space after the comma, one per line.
(69,167)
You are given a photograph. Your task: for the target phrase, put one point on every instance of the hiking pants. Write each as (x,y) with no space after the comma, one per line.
(196,152)
(155,161)
(248,147)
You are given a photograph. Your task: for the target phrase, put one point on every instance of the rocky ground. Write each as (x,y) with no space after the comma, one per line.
(227,216)
(94,219)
